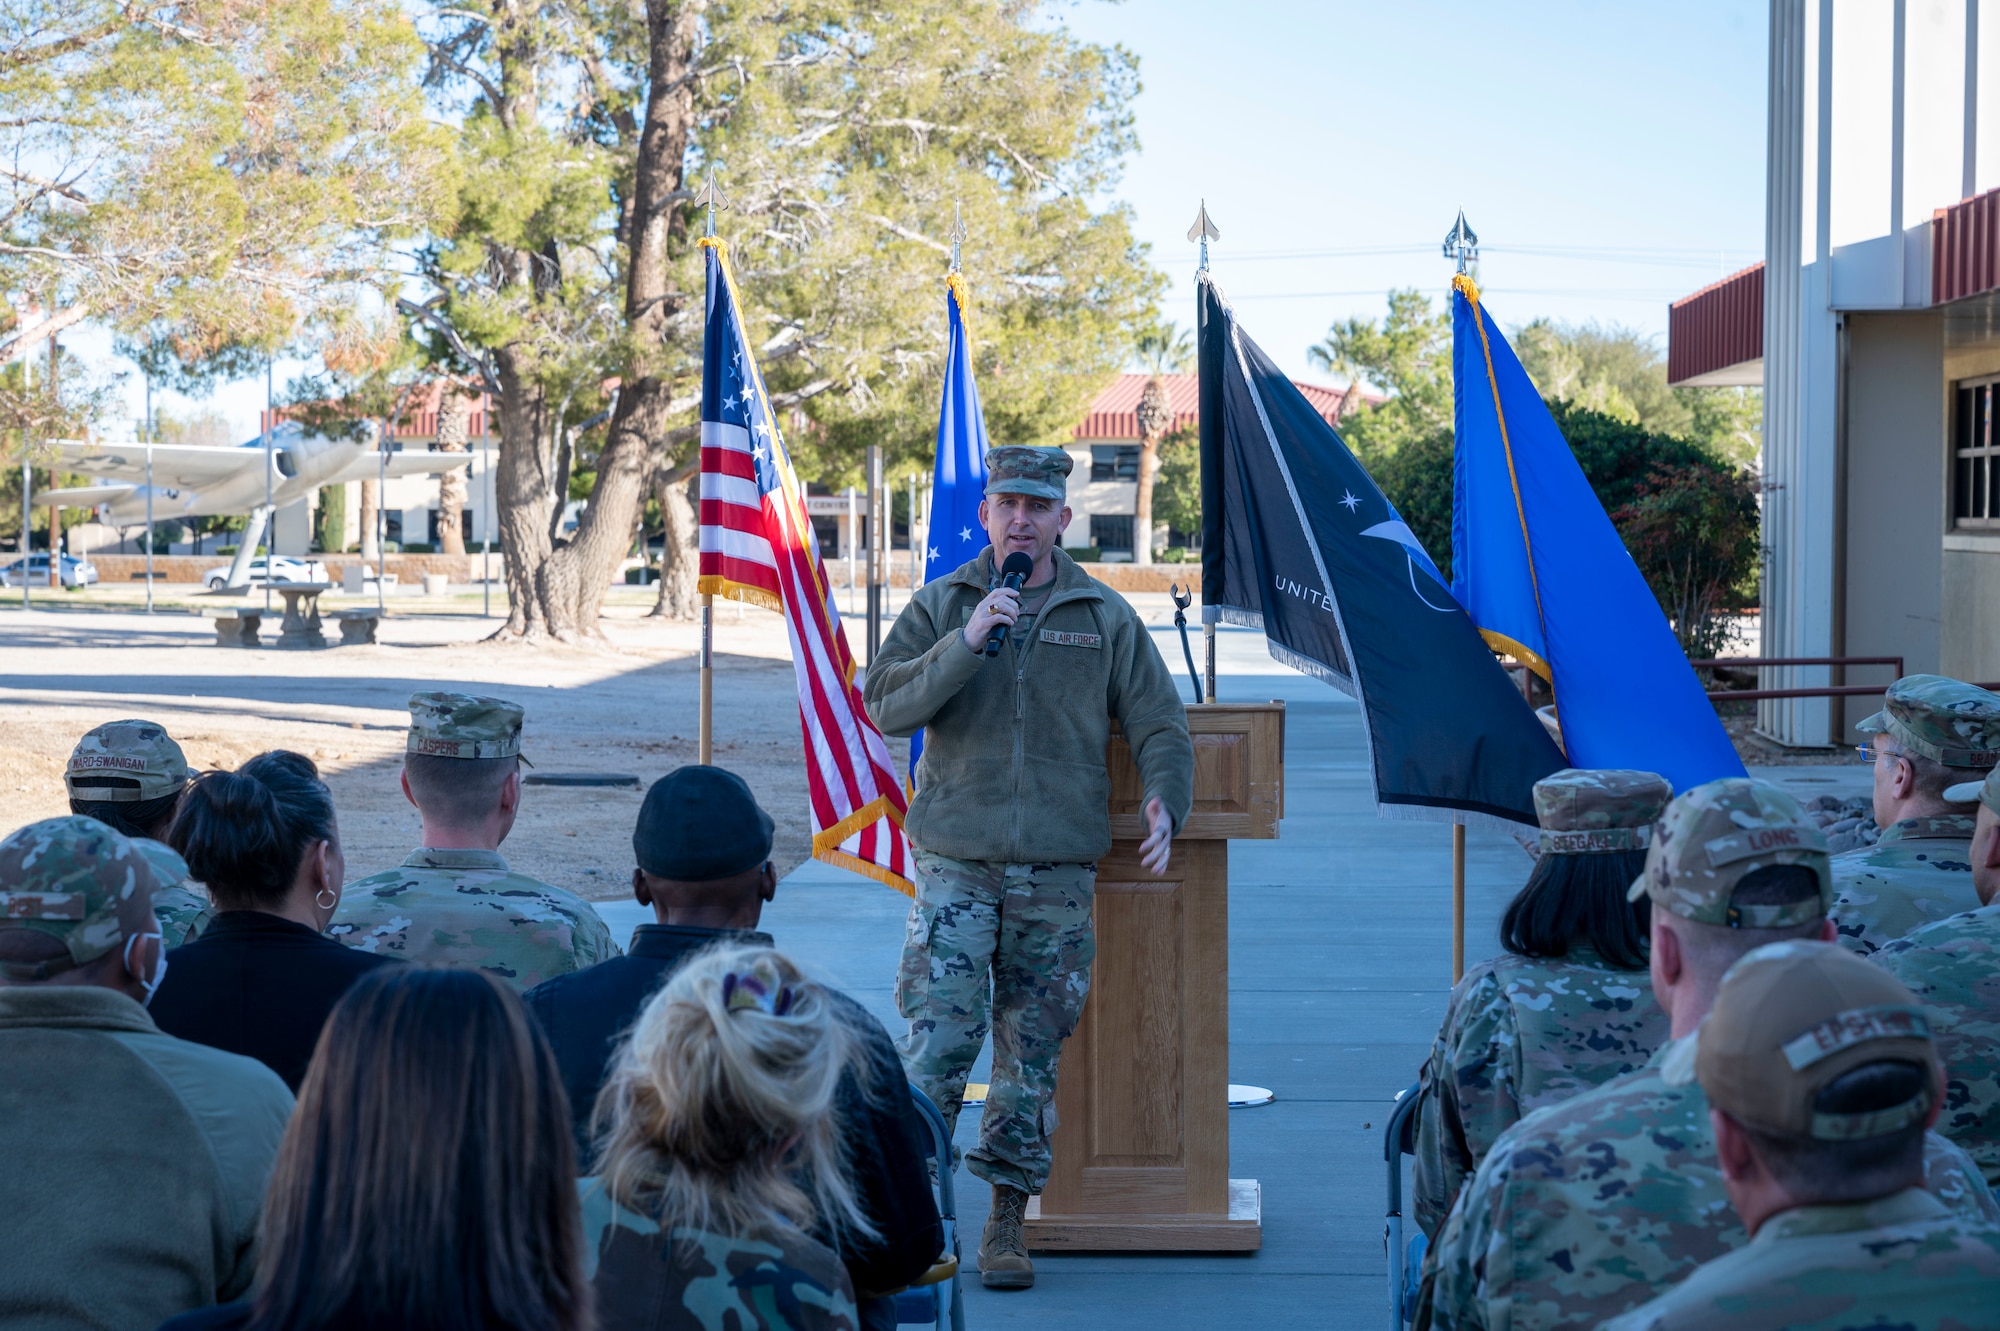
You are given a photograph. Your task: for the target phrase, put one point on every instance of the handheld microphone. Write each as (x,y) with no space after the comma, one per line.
(1013,574)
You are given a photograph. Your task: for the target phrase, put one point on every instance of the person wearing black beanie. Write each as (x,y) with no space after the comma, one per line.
(702,860)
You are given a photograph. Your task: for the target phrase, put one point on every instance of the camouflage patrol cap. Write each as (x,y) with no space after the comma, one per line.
(1019,469)
(1714,836)
(1599,811)
(1945,720)
(79,881)
(1987,792)
(140,751)
(459,725)
(1791,1018)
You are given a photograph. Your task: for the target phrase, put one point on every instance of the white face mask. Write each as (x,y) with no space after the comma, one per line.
(151,986)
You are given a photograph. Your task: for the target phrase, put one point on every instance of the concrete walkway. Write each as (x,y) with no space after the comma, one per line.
(1340,965)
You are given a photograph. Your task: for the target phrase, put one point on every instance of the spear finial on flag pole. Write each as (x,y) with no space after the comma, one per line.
(711,198)
(958,234)
(1204,231)
(1462,243)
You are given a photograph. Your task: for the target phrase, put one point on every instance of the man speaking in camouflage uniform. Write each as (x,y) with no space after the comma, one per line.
(454,900)
(1953,966)
(1011,815)
(1930,733)
(1590,1207)
(1821,1077)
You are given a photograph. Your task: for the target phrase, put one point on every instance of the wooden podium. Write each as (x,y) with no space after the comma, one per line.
(1141,1148)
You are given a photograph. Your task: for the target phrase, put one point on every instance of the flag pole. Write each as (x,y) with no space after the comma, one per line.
(1204,231)
(1461,243)
(705,736)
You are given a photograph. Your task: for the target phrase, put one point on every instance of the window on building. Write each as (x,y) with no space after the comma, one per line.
(1111,531)
(1114,462)
(1975,449)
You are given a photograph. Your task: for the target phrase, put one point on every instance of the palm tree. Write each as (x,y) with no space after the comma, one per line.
(1162,350)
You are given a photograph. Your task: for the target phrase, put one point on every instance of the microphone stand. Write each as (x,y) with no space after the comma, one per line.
(1182,600)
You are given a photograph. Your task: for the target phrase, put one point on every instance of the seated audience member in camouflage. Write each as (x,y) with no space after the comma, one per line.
(1588,1208)
(129,775)
(135,1162)
(1568,1005)
(1821,1076)
(721,1156)
(1931,733)
(454,900)
(1953,966)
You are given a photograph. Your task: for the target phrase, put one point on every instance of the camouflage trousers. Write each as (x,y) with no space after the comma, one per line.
(1021,934)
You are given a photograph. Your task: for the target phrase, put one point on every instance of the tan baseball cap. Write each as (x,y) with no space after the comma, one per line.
(79,881)
(1599,811)
(1792,1017)
(461,725)
(140,751)
(1714,836)
(1945,720)
(1986,792)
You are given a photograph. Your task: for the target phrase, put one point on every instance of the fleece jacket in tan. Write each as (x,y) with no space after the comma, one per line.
(1013,761)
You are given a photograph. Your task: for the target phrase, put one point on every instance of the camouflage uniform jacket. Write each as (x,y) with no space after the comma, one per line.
(1901,1261)
(1522,1033)
(1953,967)
(183,914)
(467,908)
(1588,1208)
(1920,871)
(772,1279)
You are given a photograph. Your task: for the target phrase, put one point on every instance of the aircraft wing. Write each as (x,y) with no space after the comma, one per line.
(369,466)
(83,496)
(183,466)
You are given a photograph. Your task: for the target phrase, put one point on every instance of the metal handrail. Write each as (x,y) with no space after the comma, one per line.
(1822,691)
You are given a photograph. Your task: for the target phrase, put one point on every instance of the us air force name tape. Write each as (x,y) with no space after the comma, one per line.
(1596,841)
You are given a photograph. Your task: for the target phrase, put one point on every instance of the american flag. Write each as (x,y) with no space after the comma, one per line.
(757,543)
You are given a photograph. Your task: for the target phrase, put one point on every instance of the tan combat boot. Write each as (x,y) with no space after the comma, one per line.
(1003,1259)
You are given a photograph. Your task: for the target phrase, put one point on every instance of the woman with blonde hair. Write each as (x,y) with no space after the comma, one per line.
(717,1155)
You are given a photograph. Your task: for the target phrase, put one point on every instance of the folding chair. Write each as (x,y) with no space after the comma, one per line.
(1399,1139)
(935,1299)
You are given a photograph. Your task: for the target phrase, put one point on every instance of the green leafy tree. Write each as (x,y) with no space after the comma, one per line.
(1408,356)
(1177,488)
(330,523)
(845,134)
(1692,529)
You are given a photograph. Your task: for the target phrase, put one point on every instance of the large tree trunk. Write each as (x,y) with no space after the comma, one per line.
(680,559)
(1155,415)
(570,583)
(454,428)
(521,493)
(370,500)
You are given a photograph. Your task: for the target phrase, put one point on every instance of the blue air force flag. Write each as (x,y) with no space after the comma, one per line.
(958,479)
(1298,541)
(1542,572)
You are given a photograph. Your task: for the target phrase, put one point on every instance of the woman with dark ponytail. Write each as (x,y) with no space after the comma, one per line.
(1568,1004)
(263,978)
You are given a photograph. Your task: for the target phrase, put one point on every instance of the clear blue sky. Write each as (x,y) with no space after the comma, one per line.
(1610,156)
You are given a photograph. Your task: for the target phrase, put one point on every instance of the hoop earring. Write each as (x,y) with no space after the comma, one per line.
(320,898)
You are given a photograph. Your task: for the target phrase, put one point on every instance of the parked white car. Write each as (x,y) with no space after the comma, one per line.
(74,572)
(281,568)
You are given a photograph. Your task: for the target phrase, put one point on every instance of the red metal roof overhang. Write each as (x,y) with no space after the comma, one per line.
(1715,338)
(1965,248)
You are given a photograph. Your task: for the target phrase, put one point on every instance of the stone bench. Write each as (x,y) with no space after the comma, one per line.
(358,625)
(236,628)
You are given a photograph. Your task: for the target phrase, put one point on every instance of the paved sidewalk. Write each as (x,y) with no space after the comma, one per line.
(1340,965)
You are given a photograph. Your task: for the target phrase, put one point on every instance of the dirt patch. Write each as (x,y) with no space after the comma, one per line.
(629,707)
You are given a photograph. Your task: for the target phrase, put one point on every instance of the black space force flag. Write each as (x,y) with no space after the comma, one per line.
(1298,541)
